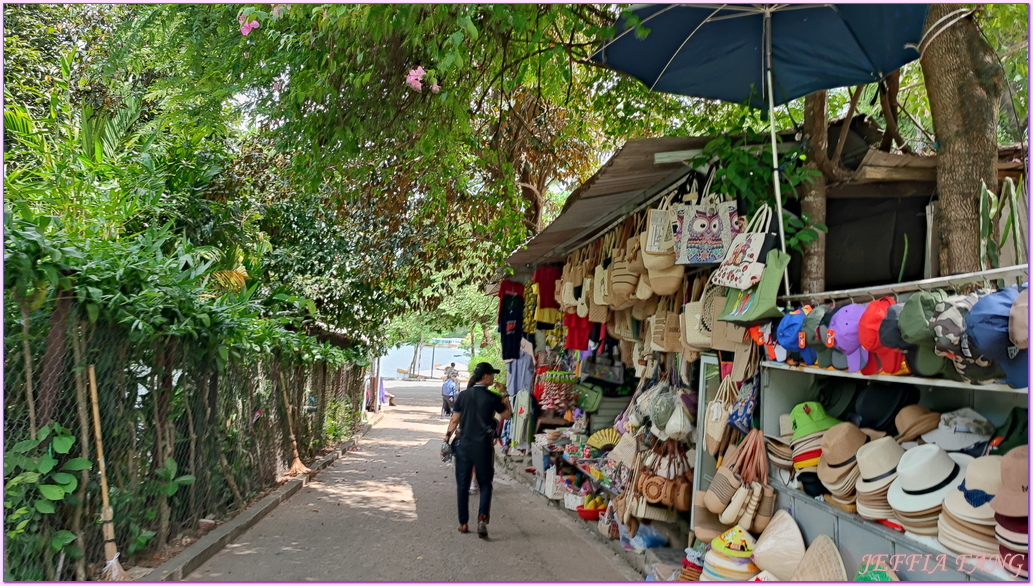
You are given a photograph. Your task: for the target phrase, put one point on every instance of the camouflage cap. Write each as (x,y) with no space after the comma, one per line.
(916,314)
(951,339)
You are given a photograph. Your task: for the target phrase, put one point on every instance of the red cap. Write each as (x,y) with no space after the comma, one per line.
(890,360)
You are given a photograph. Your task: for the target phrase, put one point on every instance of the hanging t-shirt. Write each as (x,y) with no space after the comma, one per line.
(578,329)
(511,317)
(548,309)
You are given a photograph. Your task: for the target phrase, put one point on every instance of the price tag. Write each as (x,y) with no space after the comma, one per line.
(830,338)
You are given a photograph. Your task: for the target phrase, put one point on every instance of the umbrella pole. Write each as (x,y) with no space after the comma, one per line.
(774,149)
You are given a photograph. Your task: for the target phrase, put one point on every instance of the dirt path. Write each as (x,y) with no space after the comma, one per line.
(388,512)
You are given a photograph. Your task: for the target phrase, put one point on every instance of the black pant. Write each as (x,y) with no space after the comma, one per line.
(471,459)
(446,404)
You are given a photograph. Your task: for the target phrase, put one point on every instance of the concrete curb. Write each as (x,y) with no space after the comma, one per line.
(203,549)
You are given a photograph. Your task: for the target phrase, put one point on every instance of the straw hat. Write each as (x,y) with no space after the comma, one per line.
(1013,498)
(971,500)
(961,542)
(850,507)
(924,477)
(985,532)
(736,543)
(1019,542)
(914,420)
(845,486)
(877,462)
(874,513)
(839,451)
(821,563)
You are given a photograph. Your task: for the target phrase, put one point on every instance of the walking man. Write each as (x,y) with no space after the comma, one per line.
(474,417)
(448,396)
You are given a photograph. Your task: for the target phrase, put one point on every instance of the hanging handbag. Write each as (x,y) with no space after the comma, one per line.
(666,281)
(725,335)
(746,520)
(679,426)
(727,483)
(760,302)
(699,319)
(633,250)
(717,415)
(741,415)
(744,263)
(707,228)
(660,230)
(672,329)
(766,507)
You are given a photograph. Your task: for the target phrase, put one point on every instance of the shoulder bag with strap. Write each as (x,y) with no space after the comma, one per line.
(743,264)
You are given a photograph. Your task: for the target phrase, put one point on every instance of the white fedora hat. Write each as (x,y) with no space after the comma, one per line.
(877,460)
(924,477)
(971,500)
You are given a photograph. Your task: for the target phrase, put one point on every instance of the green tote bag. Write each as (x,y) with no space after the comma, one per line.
(759,302)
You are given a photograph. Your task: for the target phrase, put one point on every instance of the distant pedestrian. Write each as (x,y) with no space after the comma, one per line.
(449,390)
(474,417)
(451,372)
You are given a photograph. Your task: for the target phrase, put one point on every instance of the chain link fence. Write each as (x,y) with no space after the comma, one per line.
(186,444)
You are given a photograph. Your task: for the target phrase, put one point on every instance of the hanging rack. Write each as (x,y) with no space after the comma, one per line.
(952,281)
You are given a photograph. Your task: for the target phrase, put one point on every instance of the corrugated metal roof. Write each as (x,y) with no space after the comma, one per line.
(626,181)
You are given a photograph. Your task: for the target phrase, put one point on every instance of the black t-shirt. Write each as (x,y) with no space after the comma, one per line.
(477,407)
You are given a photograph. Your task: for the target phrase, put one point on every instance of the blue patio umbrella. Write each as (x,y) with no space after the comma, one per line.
(764,54)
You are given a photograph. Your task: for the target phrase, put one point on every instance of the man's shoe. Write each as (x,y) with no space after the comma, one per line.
(482,527)
(464,528)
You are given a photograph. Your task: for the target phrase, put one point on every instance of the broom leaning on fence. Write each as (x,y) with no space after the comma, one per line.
(297,467)
(112,571)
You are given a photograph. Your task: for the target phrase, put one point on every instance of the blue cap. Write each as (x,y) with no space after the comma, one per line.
(788,336)
(986,327)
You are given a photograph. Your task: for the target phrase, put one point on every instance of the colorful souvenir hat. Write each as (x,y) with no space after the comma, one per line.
(890,360)
(788,336)
(959,430)
(971,501)
(986,326)
(810,418)
(843,329)
(1013,498)
(736,543)
(924,477)
(913,323)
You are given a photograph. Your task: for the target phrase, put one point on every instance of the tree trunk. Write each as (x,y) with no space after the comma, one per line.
(965,82)
(532,200)
(30,399)
(415,357)
(816,127)
(54,357)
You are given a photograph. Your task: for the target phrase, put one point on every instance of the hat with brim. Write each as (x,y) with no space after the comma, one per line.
(788,336)
(873,514)
(924,477)
(914,420)
(960,429)
(839,448)
(845,507)
(843,328)
(736,543)
(924,361)
(986,327)
(961,542)
(1013,499)
(971,500)
(877,462)
(1015,562)
(979,530)
(878,404)
(810,418)
(812,484)
(821,563)
(1016,524)
(1015,541)
(813,337)
(913,324)
(837,395)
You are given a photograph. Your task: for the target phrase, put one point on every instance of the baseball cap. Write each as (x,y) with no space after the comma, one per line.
(1018,319)
(951,338)
(788,336)
(813,338)
(838,361)
(913,324)
(987,330)
(889,360)
(843,328)
(482,369)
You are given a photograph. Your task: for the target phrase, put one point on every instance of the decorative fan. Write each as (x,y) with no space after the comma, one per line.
(604,439)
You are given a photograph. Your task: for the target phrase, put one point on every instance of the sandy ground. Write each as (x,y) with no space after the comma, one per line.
(387,512)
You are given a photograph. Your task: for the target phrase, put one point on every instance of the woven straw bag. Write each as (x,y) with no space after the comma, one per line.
(700,318)
(672,328)
(667,281)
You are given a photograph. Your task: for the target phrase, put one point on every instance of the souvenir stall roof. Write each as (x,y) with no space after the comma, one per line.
(629,180)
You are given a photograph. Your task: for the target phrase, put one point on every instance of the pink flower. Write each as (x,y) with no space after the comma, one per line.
(435,88)
(248,27)
(414,77)
(240,18)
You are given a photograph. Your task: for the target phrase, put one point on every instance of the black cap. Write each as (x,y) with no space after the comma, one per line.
(482,369)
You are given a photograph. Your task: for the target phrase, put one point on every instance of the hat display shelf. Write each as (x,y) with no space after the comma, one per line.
(784,386)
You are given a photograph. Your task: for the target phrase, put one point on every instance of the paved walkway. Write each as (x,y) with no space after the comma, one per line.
(388,512)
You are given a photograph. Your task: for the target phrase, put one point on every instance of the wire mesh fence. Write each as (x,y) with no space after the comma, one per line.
(188,441)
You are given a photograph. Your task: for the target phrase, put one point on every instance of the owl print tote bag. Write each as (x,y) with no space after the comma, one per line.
(706,229)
